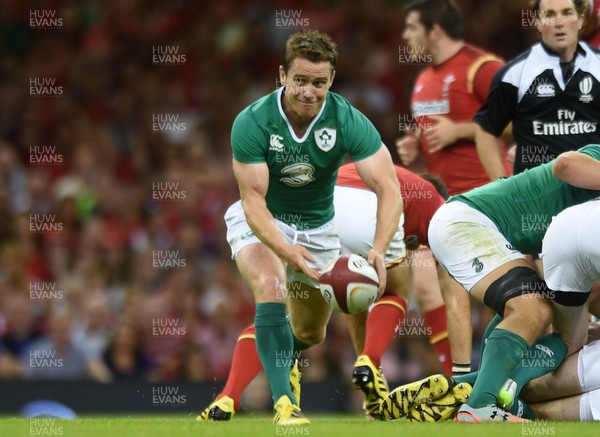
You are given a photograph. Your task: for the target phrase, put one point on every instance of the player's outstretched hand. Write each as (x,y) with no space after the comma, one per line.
(375,258)
(296,257)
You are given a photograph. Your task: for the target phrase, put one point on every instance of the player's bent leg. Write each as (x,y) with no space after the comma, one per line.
(460,330)
(568,409)
(512,291)
(309,313)
(427,293)
(564,382)
(571,322)
(381,325)
(356,324)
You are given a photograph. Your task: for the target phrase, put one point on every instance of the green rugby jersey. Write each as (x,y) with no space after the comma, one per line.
(523,205)
(302,171)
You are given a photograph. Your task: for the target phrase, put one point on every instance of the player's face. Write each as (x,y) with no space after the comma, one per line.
(306,86)
(415,34)
(559,25)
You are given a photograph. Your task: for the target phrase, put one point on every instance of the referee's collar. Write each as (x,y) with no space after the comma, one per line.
(580,51)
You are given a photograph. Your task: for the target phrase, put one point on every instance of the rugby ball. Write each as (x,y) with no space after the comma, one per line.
(349,284)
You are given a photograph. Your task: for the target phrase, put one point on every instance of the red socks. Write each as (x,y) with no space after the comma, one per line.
(382,323)
(244,366)
(438,337)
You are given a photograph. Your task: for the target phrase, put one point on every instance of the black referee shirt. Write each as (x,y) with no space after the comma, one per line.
(551,113)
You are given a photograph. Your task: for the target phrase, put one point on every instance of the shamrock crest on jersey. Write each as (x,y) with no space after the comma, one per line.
(325,138)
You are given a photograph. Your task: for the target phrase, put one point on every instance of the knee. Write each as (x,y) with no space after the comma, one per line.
(268,287)
(309,336)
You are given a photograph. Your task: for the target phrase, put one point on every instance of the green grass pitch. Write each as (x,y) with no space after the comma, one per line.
(260,425)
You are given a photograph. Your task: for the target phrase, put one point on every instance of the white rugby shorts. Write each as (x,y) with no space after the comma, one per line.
(322,242)
(356,218)
(467,243)
(571,249)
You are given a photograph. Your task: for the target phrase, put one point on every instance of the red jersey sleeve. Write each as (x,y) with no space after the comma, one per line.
(481,73)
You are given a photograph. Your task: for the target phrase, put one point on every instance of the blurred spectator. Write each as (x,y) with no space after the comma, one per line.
(58,357)
(124,355)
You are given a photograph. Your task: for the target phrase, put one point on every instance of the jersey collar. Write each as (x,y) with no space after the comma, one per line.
(290,128)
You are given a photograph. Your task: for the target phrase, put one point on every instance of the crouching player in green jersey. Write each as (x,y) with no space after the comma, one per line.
(480,238)
(287,148)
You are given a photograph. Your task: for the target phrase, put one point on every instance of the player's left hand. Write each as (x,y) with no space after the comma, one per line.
(442,134)
(375,258)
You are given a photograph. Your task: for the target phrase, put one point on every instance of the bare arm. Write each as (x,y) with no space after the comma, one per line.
(447,132)
(253,181)
(377,172)
(577,169)
(490,154)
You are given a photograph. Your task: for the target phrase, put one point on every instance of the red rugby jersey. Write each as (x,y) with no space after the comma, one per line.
(456,89)
(421,199)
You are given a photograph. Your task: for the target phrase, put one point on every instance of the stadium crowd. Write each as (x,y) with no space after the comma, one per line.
(114,178)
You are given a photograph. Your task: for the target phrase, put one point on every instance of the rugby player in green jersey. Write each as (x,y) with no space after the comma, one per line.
(287,148)
(480,238)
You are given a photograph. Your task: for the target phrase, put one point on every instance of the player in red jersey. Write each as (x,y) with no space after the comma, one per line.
(372,333)
(446,95)
(422,200)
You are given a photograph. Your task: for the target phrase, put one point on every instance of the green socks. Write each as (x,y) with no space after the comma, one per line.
(546,354)
(274,343)
(503,353)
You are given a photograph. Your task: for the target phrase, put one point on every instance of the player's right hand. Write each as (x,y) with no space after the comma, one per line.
(296,257)
(408,149)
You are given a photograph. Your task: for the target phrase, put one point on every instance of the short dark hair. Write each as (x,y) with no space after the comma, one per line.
(444,13)
(438,183)
(312,45)
(580,5)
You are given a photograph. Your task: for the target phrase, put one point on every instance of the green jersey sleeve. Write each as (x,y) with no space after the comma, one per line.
(592,150)
(362,139)
(248,141)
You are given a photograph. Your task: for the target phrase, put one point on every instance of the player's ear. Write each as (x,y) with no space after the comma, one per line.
(332,77)
(435,33)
